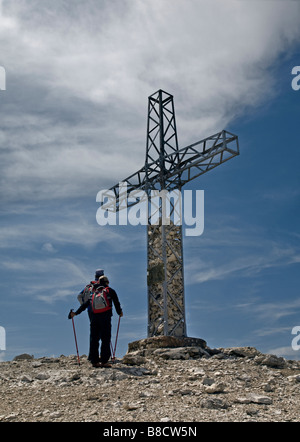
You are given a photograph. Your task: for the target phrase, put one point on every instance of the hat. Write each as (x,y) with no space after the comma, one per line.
(98,273)
(104,279)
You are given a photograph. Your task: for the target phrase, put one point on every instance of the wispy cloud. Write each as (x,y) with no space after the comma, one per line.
(73,122)
(271,312)
(76,76)
(271,331)
(247,253)
(69,227)
(243,266)
(286,352)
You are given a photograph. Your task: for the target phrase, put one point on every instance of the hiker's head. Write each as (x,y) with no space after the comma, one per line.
(103,280)
(98,273)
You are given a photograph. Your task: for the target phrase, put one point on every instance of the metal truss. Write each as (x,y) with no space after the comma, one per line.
(167,168)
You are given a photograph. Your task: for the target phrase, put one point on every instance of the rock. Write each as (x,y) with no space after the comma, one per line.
(165,342)
(252,411)
(218,387)
(271,361)
(214,403)
(171,353)
(256,399)
(259,399)
(199,372)
(183,392)
(166,347)
(268,387)
(36,364)
(235,387)
(23,357)
(55,414)
(11,417)
(42,376)
(133,359)
(294,378)
(180,353)
(208,381)
(244,352)
(131,407)
(26,378)
(74,377)
(243,400)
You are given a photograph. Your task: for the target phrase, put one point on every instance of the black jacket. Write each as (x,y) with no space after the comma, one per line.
(112,298)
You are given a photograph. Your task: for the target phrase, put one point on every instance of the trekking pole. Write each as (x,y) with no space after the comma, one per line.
(116,338)
(111,352)
(75,336)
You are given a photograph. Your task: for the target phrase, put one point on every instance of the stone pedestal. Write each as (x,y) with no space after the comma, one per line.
(165,342)
(166,309)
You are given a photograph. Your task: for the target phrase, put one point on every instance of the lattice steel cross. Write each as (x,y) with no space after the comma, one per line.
(168,168)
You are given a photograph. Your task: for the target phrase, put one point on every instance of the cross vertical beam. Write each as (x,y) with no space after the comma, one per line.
(166,310)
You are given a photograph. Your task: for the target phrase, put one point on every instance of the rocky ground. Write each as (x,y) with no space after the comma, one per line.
(159,384)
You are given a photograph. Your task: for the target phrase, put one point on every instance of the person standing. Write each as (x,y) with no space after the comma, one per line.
(84,295)
(100,323)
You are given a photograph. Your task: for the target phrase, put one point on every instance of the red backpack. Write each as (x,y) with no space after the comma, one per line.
(99,301)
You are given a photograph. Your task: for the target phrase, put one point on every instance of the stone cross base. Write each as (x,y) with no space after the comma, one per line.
(165,342)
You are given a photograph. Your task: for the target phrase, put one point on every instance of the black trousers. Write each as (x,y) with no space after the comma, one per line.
(100,330)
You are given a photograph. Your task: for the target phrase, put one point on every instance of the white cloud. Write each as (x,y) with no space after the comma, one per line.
(286,352)
(272,331)
(78,79)
(244,266)
(108,52)
(59,267)
(274,311)
(48,247)
(52,229)
(48,279)
(58,295)
(73,122)
(248,252)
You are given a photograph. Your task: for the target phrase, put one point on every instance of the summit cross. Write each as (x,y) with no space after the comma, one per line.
(167,168)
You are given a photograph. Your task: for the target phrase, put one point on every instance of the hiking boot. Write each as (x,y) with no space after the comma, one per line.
(97,365)
(105,365)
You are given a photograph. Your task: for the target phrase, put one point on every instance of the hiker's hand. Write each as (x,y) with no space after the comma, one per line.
(121,314)
(71,315)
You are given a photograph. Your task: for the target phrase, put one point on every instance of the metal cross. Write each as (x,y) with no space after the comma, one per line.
(167,168)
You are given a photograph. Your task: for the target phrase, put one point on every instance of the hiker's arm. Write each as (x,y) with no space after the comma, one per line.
(116,302)
(81,308)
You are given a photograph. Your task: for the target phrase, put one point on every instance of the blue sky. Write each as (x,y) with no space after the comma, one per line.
(73,122)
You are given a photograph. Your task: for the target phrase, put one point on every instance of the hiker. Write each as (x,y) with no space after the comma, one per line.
(84,295)
(100,327)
